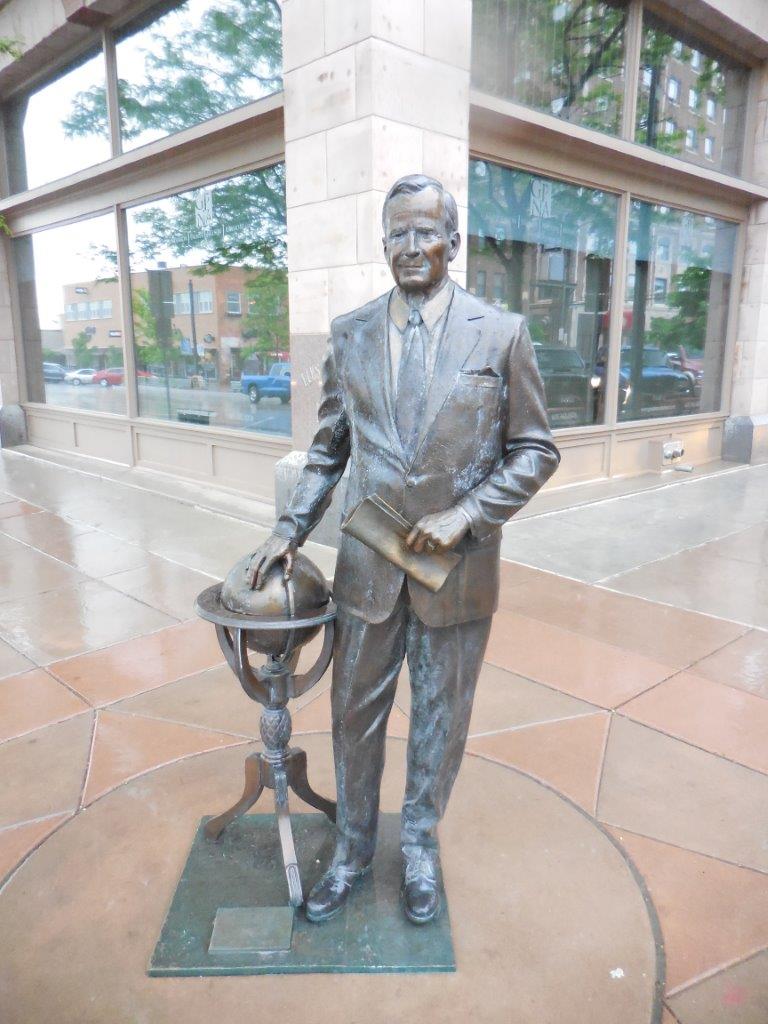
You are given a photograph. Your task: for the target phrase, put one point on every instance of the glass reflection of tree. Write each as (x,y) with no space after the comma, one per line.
(562,56)
(658,48)
(209,66)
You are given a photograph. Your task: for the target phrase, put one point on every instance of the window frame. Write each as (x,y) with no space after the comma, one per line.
(635,188)
(247,138)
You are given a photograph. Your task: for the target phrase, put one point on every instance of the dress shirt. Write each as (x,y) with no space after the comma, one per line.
(434,313)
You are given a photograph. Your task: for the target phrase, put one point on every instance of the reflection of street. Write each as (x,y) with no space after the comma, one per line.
(227,408)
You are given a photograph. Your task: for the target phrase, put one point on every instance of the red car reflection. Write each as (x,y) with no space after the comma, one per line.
(115,375)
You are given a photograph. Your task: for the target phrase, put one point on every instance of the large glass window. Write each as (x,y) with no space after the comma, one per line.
(200,59)
(548,246)
(68,290)
(565,58)
(46,122)
(715,90)
(188,254)
(676,312)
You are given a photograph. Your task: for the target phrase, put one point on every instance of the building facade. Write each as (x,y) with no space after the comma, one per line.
(193,190)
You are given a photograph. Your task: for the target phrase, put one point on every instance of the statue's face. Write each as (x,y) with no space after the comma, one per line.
(417,242)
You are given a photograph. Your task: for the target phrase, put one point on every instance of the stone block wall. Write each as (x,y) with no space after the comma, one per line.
(374,89)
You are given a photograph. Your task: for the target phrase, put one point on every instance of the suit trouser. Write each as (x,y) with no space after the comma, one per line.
(444,663)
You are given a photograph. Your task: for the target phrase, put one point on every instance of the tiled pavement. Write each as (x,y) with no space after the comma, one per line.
(614,792)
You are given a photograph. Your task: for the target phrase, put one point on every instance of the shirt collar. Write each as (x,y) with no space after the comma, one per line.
(431,311)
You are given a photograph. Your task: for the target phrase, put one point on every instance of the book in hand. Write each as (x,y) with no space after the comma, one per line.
(383,529)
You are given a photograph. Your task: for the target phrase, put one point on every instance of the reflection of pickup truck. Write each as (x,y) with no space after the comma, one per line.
(275,384)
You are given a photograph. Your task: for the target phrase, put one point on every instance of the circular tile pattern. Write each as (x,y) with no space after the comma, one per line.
(549,923)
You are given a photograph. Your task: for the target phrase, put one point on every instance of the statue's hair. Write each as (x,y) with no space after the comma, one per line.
(413,183)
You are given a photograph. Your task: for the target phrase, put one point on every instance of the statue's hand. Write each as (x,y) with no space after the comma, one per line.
(274,549)
(439,531)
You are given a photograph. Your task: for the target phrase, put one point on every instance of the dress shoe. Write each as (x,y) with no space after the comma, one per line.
(422,884)
(329,895)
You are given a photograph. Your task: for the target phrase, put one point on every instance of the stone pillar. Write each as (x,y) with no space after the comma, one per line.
(746,430)
(12,420)
(374,89)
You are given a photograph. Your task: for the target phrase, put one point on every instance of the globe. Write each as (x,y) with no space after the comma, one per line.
(304,595)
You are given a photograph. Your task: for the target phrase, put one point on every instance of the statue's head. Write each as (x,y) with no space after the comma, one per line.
(421,235)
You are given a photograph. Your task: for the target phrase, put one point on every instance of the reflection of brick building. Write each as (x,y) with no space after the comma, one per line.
(220,305)
(698,111)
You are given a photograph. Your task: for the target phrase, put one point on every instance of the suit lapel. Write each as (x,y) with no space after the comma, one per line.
(373,355)
(460,335)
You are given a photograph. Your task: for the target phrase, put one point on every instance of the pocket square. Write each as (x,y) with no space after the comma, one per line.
(486,371)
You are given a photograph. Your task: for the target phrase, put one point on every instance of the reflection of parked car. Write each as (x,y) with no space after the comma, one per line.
(82,376)
(113,375)
(275,384)
(680,360)
(661,385)
(116,375)
(54,371)
(568,385)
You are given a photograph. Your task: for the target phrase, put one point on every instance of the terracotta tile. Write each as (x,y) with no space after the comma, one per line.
(504,700)
(19,840)
(736,996)
(566,755)
(9,509)
(26,572)
(43,772)
(660,787)
(512,576)
(718,718)
(11,662)
(72,620)
(588,669)
(669,635)
(141,664)
(711,913)
(743,663)
(127,745)
(315,715)
(212,699)
(163,585)
(567,909)
(32,701)
(398,724)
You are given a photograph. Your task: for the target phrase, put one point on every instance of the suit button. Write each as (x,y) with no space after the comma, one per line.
(410,482)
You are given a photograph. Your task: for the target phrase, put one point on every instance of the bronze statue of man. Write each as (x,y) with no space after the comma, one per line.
(435,401)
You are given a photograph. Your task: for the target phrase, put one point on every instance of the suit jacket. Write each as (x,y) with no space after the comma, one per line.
(484,445)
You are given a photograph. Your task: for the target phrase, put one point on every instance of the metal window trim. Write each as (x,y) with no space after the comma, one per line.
(253,127)
(633,44)
(491,116)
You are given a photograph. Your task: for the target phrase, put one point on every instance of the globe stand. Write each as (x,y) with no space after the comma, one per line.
(279,767)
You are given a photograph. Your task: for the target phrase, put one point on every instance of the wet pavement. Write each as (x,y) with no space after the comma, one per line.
(606,847)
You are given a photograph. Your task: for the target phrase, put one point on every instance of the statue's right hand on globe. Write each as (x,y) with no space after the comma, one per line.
(274,549)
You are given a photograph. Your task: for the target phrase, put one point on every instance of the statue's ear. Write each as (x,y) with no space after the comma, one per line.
(455,245)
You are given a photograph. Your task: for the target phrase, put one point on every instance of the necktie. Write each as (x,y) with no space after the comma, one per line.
(412,381)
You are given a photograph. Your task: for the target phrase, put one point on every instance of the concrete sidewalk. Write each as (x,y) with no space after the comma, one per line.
(606,848)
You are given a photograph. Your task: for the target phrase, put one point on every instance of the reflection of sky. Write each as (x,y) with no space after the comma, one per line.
(131,53)
(136,229)
(63,256)
(49,153)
